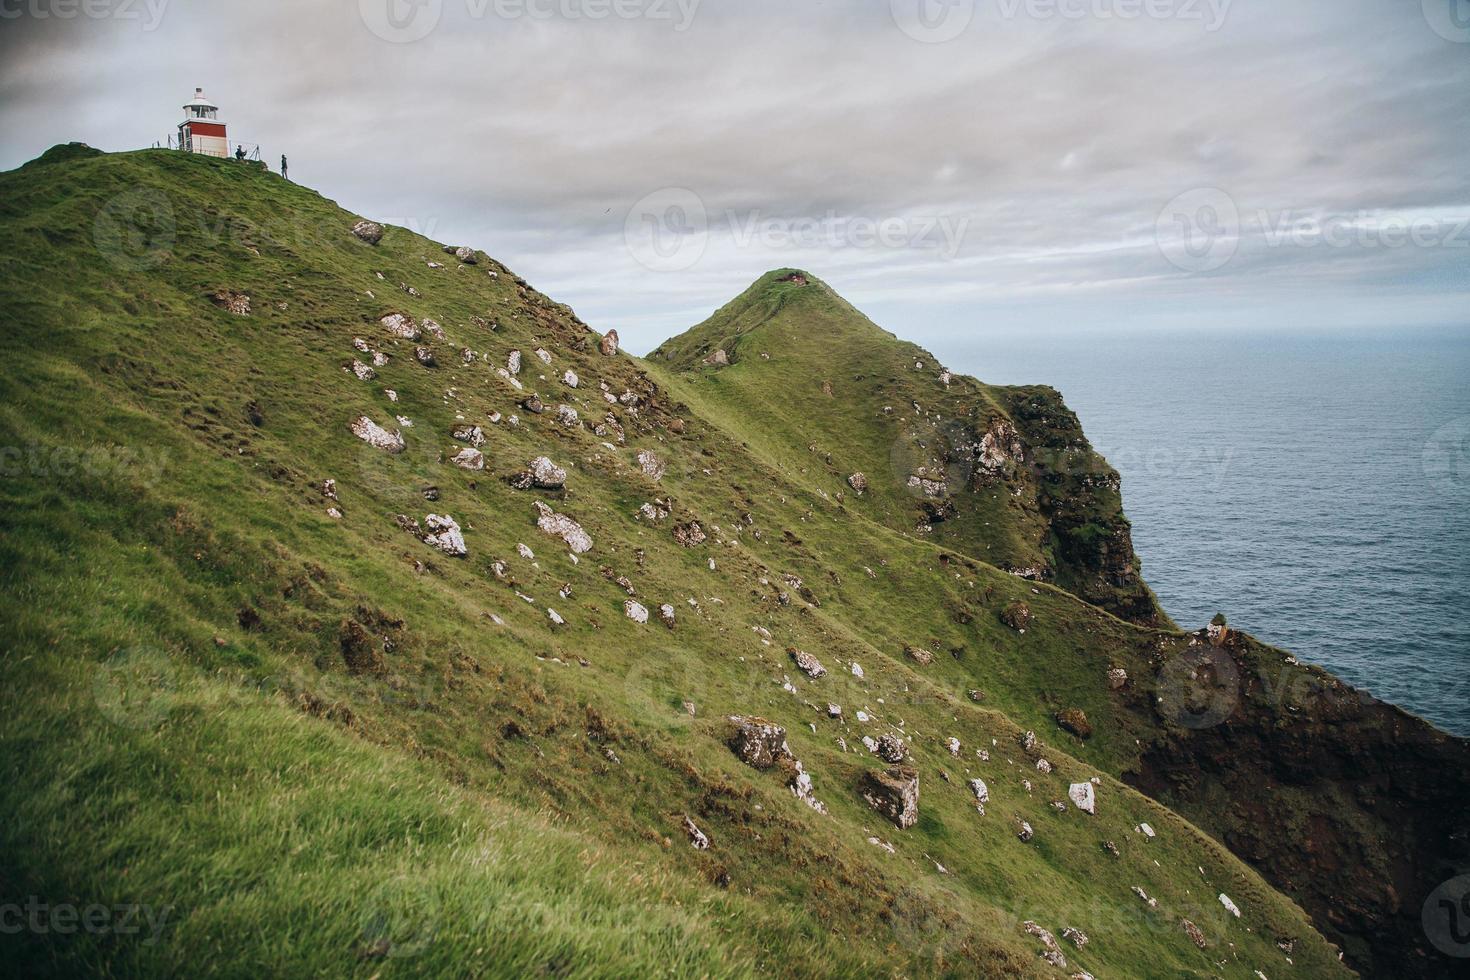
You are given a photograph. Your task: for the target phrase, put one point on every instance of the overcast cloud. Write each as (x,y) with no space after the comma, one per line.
(951,167)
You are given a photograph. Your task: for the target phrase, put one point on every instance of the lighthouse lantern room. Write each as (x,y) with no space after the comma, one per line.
(202,131)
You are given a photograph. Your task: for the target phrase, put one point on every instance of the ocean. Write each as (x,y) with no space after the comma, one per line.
(1315,488)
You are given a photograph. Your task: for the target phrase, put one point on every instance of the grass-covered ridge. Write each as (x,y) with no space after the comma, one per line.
(328,748)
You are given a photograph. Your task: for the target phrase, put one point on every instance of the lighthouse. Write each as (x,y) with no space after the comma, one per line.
(202,131)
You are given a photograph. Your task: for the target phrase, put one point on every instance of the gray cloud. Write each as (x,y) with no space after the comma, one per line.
(1054,142)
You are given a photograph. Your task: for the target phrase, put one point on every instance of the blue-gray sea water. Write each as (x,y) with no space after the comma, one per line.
(1315,488)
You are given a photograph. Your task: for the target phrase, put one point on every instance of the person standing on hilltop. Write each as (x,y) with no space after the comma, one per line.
(283,166)
(240,153)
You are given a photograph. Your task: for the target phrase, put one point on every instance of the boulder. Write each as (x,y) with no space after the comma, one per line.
(542,474)
(858,482)
(1024,832)
(1117,678)
(635,611)
(666,615)
(892,749)
(650,465)
(401,325)
(375,435)
(1193,932)
(609,344)
(471,434)
(1076,937)
(227,299)
(425,357)
(513,362)
(368,231)
(981,791)
(567,416)
(562,526)
(1028,741)
(758,743)
(1230,906)
(570,379)
(1074,720)
(1017,615)
(894,793)
(1084,797)
(919,655)
(807,664)
(543,355)
(697,838)
(443,533)
(469,459)
(690,535)
(432,328)
(466,255)
(718,359)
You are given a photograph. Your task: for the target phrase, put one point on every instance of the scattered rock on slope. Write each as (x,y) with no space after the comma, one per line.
(562,526)
(369,231)
(758,743)
(443,533)
(894,792)
(376,436)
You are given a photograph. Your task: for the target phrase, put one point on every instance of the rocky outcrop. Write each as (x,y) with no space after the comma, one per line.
(376,436)
(858,482)
(368,231)
(1083,797)
(609,344)
(441,531)
(1017,615)
(894,793)
(807,664)
(541,474)
(562,526)
(401,325)
(758,743)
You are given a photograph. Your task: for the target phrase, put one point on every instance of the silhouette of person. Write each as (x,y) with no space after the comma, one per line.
(239,152)
(283,166)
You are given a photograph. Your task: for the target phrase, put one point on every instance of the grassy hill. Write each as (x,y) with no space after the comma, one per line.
(282,720)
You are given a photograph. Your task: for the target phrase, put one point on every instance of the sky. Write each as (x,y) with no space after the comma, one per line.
(956,168)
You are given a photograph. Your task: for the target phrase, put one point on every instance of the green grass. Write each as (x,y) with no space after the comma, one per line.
(180,729)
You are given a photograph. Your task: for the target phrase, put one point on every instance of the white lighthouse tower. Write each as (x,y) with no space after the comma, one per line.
(202,131)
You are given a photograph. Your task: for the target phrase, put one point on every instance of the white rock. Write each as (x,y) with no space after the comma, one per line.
(570,379)
(401,326)
(543,355)
(857,669)
(650,464)
(981,791)
(444,534)
(513,362)
(555,617)
(635,611)
(1145,830)
(1229,905)
(376,436)
(363,372)
(954,747)
(697,837)
(1084,797)
(525,552)
(469,459)
(562,526)
(1042,766)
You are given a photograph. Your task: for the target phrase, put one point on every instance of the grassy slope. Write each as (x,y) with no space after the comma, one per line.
(819,390)
(162,748)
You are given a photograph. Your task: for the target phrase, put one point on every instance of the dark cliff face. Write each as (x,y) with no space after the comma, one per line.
(1349,805)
